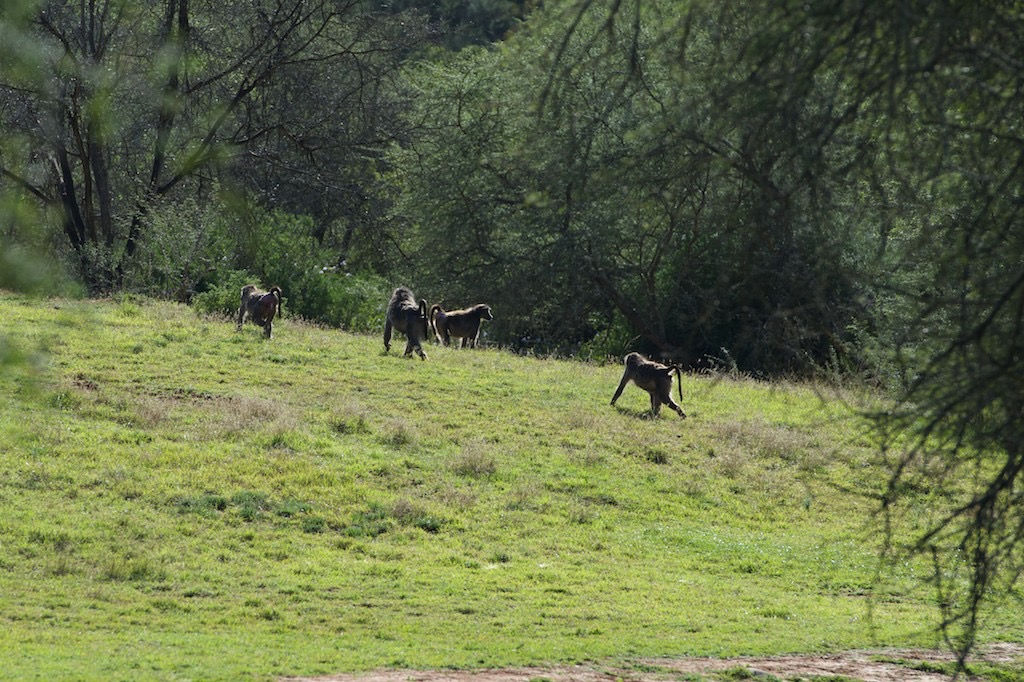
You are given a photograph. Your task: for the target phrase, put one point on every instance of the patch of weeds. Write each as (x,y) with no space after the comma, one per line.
(129,307)
(474,462)
(527,497)
(241,414)
(133,569)
(204,505)
(64,401)
(314,524)
(430,524)
(169,605)
(995,672)
(656,455)
(398,435)
(58,540)
(349,420)
(409,513)
(290,508)
(580,515)
(944,668)
(62,566)
(251,505)
(369,523)
(148,412)
(775,613)
(40,479)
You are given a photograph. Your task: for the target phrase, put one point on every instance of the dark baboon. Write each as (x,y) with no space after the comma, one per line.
(462,324)
(653,377)
(260,307)
(408,317)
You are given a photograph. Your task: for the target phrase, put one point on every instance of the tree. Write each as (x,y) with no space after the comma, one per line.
(126,103)
(914,131)
(959,349)
(609,184)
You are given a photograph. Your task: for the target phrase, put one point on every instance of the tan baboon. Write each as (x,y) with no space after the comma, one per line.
(408,317)
(653,377)
(260,307)
(462,324)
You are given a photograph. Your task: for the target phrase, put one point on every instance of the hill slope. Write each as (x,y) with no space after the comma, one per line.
(178,499)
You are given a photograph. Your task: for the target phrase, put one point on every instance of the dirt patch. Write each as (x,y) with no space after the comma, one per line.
(865,666)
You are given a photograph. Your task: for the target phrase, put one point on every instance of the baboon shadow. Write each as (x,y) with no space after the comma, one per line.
(645,415)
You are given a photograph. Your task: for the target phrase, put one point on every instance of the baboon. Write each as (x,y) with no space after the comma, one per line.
(408,317)
(462,324)
(653,377)
(260,307)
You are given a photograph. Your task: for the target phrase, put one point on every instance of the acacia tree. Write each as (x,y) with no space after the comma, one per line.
(918,139)
(955,171)
(124,103)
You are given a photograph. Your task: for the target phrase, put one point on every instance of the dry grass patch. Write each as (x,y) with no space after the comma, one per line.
(474,460)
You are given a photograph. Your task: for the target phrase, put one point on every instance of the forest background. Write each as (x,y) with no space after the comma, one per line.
(781,189)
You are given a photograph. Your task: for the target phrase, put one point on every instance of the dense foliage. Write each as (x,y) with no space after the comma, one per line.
(780,188)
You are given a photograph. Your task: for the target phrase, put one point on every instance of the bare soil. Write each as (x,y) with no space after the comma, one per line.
(865,666)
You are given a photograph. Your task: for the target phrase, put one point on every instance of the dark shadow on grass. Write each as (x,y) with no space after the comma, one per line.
(645,415)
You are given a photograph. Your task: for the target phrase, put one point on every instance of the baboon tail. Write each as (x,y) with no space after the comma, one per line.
(430,316)
(679,381)
(277,293)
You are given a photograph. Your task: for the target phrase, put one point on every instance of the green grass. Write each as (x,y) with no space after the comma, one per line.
(181,500)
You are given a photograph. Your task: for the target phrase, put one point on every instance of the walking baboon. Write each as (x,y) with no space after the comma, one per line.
(408,317)
(653,377)
(260,307)
(462,324)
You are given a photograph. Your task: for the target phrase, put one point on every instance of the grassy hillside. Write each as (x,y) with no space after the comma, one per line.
(181,500)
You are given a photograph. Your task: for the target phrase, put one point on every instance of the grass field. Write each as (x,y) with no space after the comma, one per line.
(179,500)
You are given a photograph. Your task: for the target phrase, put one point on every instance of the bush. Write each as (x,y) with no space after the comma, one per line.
(278,249)
(224,296)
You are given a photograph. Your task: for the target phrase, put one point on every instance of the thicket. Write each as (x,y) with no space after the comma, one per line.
(782,188)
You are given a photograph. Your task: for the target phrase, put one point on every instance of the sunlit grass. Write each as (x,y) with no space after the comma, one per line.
(192,501)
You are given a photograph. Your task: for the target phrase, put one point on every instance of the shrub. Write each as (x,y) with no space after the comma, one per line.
(273,248)
(224,296)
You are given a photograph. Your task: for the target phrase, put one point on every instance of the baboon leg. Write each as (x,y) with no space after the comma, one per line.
(267,329)
(673,404)
(679,384)
(411,346)
(655,403)
(387,335)
(241,313)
